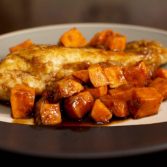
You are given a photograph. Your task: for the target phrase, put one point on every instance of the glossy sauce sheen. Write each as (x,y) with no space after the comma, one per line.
(66,123)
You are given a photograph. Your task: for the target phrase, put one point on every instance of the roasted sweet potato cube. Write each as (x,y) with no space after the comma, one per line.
(115,76)
(83,75)
(107,100)
(99,39)
(145,102)
(161,72)
(97,76)
(118,107)
(124,93)
(78,105)
(98,92)
(47,114)
(22,45)
(109,40)
(117,42)
(22,101)
(137,75)
(73,38)
(160,84)
(66,88)
(100,113)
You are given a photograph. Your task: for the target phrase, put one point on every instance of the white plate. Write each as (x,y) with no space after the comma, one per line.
(51,34)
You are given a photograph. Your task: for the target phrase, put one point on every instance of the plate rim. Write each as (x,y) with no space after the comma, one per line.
(92,155)
(80,25)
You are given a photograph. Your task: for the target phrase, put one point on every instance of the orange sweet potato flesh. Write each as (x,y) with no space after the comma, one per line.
(99,39)
(107,100)
(115,76)
(160,84)
(109,40)
(82,75)
(22,101)
(97,76)
(123,92)
(73,38)
(98,92)
(118,107)
(137,75)
(66,88)
(116,42)
(78,105)
(161,72)
(47,114)
(100,113)
(145,102)
(22,45)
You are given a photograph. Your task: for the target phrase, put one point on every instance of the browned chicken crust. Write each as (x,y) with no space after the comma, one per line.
(38,65)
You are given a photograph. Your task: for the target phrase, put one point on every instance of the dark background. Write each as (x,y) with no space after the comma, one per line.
(20,14)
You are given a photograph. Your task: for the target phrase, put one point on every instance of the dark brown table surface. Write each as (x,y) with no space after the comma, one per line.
(20,14)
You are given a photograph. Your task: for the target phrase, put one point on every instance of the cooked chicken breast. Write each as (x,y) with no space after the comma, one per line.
(38,65)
